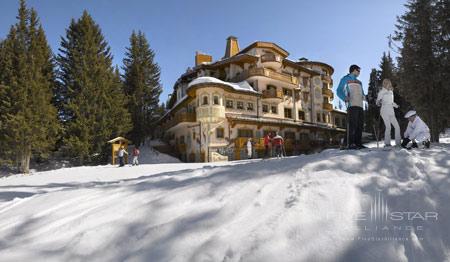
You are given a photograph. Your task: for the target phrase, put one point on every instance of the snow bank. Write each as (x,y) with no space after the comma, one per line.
(322,207)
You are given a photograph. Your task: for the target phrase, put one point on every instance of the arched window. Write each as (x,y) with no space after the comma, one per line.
(216,100)
(205,100)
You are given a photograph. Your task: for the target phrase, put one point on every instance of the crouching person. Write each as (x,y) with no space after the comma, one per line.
(417,132)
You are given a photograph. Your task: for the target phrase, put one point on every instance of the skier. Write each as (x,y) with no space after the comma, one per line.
(266,145)
(350,90)
(121,155)
(136,154)
(249,148)
(278,142)
(416,132)
(386,100)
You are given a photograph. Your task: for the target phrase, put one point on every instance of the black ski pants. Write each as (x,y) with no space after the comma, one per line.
(356,121)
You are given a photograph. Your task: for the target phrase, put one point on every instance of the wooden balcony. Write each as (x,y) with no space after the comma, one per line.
(271,60)
(327,106)
(180,118)
(267,73)
(272,94)
(327,92)
(327,78)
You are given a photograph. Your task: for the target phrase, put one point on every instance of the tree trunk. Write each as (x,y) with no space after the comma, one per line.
(25,160)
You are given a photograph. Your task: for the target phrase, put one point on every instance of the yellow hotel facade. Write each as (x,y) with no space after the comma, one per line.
(216,106)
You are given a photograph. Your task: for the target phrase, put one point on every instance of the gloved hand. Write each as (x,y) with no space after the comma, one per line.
(395,105)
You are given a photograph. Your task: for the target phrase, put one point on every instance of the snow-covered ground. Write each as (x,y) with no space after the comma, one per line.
(368,205)
(151,156)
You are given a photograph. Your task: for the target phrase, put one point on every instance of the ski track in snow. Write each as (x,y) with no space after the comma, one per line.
(290,209)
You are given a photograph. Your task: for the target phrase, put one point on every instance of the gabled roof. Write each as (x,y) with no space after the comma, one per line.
(307,62)
(300,67)
(269,45)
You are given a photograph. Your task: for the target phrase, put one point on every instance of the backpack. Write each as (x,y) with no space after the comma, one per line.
(136,152)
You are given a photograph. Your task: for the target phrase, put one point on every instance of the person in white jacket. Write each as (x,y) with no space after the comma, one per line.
(385,99)
(249,148)
(416,132)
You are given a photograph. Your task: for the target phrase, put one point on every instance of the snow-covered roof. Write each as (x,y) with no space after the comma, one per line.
(241,86)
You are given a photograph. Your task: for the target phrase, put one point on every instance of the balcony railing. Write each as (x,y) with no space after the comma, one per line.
(327,92)
(267,73)
(269,94)
(327,78)
(327,106)
(180,118)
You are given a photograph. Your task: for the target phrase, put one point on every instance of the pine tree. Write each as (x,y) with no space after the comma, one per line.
(142,86)
(442,20)
(420,71)
(29,125)
(372,117)
(90,97)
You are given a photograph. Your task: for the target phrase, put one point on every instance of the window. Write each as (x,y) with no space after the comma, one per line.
(271,87)
(245,133)
(318,117)
(325,86)
(337,121)
(305,81)
(274,109)
(240,105)
(289,135)
(325,100)
(288,113)
(230,104)
(265,108)
(305,97)
(324,118)
(287,92)
(301,115)
(181,140)
(219,132)
(205,100)
(250,106)
(216,100)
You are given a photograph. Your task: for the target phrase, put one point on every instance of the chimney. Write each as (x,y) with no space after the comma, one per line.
(202,58)
(232,47)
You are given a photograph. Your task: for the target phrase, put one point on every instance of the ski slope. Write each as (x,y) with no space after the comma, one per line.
(329,206)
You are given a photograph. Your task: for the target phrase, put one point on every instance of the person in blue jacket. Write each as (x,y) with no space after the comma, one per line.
(350,90)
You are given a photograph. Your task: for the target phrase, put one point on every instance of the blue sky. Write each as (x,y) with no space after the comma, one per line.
(339,33)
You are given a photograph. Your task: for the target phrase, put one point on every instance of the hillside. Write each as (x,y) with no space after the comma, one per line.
(368,205)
